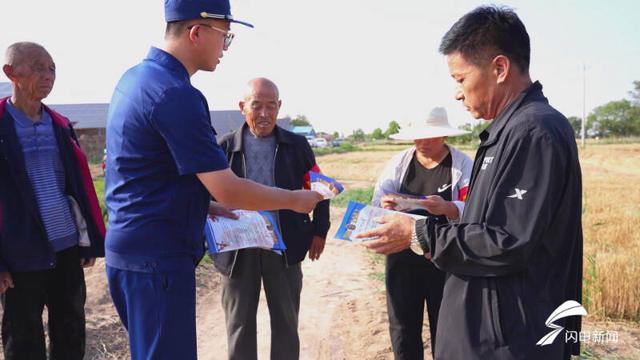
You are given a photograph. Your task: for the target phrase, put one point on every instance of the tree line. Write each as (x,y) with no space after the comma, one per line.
(620,118)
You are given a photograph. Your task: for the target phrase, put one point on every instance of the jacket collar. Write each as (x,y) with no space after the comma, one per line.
(17,167)
(168,61)
(282,137)
(401,164)
(3,103)
(492,132)
(56,117)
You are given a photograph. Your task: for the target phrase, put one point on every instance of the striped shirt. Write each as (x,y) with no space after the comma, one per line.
(46,173)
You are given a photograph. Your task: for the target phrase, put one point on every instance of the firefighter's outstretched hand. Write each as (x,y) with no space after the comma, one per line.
(304,201)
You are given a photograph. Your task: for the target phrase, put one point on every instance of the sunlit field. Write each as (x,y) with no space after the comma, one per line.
(611,221)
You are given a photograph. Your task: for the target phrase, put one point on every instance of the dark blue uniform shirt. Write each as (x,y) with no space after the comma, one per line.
(159,136)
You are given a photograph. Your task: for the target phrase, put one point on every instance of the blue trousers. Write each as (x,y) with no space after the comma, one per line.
(159,312)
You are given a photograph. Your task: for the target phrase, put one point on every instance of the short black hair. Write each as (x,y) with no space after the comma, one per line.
(174,28)
(486,32)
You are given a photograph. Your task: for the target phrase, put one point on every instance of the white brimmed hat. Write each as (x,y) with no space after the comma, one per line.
(436,125)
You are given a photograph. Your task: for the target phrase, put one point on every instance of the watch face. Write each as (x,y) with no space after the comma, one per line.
(416,248)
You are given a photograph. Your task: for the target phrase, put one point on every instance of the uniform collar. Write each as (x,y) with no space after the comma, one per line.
(168,61)
(491,133)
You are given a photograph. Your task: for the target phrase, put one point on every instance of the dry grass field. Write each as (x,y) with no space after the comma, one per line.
(611,219)
(611,223)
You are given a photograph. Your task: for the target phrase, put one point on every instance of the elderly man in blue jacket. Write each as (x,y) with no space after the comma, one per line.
(270,155)
(50,222)
(516,253)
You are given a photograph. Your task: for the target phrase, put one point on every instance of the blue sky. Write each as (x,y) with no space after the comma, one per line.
(344,64)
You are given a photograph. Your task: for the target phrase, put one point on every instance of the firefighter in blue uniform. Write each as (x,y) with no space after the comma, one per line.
(164,165)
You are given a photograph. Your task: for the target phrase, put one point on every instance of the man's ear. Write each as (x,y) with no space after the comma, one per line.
(502,68)
(194,34)
(8,71)
(241,105)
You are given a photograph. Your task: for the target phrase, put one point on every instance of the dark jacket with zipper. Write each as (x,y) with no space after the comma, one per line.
(24,245)
(516,254)
(293,161)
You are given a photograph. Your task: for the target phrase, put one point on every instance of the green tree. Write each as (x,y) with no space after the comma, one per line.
(300,120)
(615,118)
(358,135)
(576,124)
(392,128)
(473,136)
(377,134)
(635,93)
(336,135)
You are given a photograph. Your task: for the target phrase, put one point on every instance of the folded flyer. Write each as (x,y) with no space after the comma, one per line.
(360,218)
(406,202)
(326,186)
(253,229)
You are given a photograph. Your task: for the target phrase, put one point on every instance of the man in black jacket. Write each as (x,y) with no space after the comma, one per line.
(267,154)
(516,254)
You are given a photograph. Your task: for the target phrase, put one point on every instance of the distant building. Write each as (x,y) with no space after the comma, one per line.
(90,120)
(226,121)
(5,89)
(305,131)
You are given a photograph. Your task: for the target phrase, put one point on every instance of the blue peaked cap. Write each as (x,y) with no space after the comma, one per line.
(177,10)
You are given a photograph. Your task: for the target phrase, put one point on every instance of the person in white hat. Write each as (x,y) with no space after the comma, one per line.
(440,173)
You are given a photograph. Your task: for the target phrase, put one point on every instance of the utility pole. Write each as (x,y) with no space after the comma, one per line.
(584,104)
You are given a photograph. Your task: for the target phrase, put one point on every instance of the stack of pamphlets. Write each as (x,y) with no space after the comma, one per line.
(253,229)
(360,218)
(326,186)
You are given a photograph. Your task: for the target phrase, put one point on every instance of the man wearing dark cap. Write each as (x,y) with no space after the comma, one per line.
(164,165)
(516,254)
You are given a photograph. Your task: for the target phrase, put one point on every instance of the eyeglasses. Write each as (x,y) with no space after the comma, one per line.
(228,36)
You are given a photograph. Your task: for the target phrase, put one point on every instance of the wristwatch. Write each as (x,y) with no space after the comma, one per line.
(415,243)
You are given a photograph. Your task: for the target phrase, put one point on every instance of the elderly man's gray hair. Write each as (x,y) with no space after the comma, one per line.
(16,52)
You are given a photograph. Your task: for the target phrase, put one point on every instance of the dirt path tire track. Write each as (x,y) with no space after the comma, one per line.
(342,312)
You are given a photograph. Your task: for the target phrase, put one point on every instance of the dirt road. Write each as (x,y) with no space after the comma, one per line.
(343,313)
(343,310)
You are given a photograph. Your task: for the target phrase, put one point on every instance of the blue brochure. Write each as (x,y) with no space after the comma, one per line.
(360,218)
(253,229)
(326,186)
(349,221)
